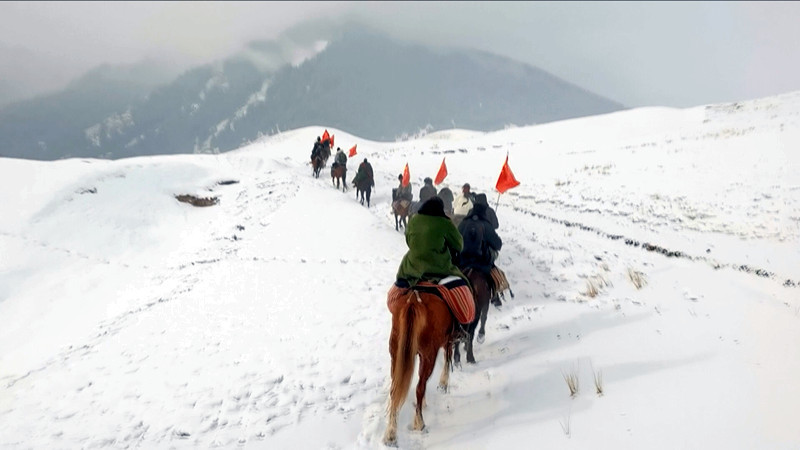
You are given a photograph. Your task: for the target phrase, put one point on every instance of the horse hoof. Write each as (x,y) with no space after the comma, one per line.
(481,338)
(471,361)
(442,389)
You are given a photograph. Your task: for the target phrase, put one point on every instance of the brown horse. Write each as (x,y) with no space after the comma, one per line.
(481,292)
(421,325)
(316,165)
(339,173)
(401,208)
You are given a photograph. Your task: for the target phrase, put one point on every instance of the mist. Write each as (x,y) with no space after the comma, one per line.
(639,54)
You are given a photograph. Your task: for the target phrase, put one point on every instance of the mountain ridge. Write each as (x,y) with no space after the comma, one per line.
(360,81)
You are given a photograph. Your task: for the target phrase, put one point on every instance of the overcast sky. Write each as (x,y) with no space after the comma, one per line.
(637,53)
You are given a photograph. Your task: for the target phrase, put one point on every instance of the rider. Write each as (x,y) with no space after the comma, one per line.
(364,171)
(479,240)
(432,239)
(341,158)
(326,147)
(427,191)
(447,197)
(462,204)
(317,148)
(491,216)
(403,192)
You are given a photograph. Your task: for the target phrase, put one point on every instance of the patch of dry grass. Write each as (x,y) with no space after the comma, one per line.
(637,278)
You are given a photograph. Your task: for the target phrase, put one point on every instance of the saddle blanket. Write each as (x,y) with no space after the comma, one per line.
(453,290)
(499,279)
(403,203)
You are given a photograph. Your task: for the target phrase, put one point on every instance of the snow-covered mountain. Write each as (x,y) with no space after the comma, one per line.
(358,80)
(130,319)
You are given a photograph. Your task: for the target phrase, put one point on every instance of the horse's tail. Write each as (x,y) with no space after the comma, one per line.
(410,322)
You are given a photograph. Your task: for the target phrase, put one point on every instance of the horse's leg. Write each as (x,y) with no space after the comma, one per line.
(426,363)
(482,332)
(468,344)
(390,437)
(396,223)
(369,194)
(456,354)
(444,380)
(403,342)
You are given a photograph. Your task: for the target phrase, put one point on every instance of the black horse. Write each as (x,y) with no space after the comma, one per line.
(364,188)
(482,292)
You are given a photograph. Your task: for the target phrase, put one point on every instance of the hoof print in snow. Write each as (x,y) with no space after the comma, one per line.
(88,191)
(197,201)
(227,182)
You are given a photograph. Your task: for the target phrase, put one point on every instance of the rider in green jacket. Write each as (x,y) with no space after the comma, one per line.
(432,241)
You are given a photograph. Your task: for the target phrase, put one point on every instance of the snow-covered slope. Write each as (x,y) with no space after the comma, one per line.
(129,319)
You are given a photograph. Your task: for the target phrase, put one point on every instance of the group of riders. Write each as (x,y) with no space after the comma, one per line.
(322,149)
(446,235)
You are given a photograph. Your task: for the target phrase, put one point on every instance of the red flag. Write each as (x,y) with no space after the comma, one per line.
(333,136)
(325,136)
(406,176)
(506,179)
(352,151)
(442,173)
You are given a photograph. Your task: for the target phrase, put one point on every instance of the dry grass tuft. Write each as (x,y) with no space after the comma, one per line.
(572,382)
(598,382)
(591,289)
(594,284)
(637,278)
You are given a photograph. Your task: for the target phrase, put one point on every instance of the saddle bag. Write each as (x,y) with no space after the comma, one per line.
(499,279)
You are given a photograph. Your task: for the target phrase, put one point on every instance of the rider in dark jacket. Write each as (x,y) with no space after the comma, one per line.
(427,191)
(479,238)
(491,216)
(317,148)
(364,172)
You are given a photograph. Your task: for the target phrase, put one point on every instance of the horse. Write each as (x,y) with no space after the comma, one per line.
(481,292)
(363,187)
(339,172)
(421,324)
(401,208)
(317,162)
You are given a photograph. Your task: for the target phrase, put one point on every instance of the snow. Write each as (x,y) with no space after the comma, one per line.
(129,319)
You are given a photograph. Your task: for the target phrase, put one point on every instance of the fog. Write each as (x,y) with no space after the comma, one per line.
(637,53)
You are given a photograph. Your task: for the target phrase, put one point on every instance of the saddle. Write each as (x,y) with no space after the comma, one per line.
(401,203)
(453,290)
